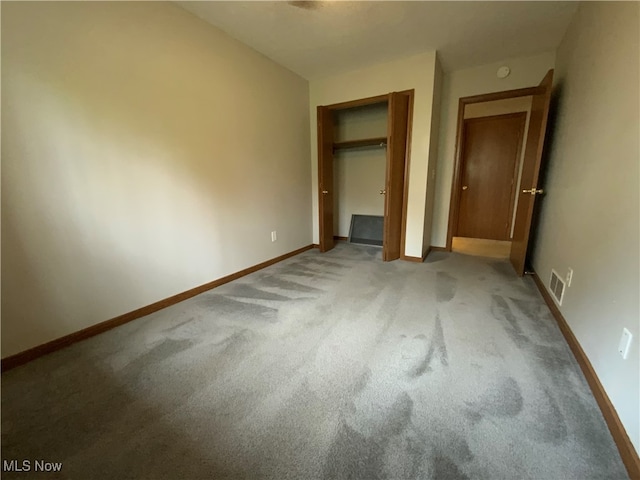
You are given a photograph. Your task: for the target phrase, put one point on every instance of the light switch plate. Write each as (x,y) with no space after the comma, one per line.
(569,277)
(625,343)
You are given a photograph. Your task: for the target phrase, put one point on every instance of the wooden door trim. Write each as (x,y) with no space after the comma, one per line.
(491,97)
(363,102)
(454,200)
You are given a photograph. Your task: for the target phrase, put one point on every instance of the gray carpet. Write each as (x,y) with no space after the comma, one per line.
(327,366)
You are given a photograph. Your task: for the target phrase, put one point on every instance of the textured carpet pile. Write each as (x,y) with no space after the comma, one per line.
(324,366)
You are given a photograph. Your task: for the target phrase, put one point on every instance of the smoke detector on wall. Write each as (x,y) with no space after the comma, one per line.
(503,72)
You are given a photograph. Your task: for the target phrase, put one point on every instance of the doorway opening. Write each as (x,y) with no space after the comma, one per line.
(362,166)
(492,150)
(499,145)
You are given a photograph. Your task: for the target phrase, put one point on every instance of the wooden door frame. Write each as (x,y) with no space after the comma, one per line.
(322,242)
(362,102)
(454,203)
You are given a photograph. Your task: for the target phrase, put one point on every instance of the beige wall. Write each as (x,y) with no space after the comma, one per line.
(590,213)
(525,72)
(143,153)
(369,121)
(498,107)
(417,73)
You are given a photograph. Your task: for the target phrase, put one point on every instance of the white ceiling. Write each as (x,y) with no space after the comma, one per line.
(316,39)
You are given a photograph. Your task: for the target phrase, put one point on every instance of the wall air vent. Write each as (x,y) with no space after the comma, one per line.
(556,286)
(366,229)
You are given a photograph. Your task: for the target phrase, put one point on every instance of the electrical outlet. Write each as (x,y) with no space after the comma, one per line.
(569,277)
(625,343)
(274,236)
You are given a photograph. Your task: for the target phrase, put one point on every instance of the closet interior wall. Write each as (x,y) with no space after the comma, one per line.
(359,172)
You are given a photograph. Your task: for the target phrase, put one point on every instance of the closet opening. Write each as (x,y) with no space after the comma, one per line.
(362,166)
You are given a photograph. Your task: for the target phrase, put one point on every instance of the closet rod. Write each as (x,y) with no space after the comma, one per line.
(365,142)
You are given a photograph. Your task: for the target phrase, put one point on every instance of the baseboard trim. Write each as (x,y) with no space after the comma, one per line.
(628,453)
(335,237)
(21,358)
(439,249)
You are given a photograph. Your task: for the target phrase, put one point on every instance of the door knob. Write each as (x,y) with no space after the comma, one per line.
(383,192)
(465,187)
(533,191)
(324,192)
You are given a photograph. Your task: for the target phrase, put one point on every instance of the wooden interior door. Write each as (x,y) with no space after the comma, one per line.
(491,148)
(394,188)
(325,177)
(530,173)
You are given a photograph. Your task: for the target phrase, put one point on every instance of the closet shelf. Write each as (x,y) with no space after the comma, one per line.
(364,142)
